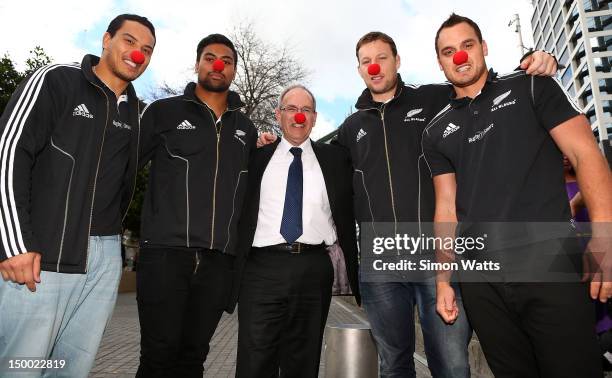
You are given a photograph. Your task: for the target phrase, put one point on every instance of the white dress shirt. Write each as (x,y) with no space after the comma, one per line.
(317,223)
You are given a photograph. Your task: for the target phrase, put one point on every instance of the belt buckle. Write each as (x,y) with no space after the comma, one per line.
(299,249)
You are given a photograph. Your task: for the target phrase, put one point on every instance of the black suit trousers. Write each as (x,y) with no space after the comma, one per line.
(282,310)
(181,295)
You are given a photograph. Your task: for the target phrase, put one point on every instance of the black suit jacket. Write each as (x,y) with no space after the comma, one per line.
(337,172)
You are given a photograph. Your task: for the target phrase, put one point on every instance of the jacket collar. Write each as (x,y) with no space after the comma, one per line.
(87,64)
(366,101)
(233,99)
(459,102)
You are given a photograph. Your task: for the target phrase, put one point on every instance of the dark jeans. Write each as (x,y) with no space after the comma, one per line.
(535,329)
(182,293)
(390,308)
(282,310)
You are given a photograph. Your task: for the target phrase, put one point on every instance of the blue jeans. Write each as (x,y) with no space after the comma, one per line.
(390,310)
(66,316)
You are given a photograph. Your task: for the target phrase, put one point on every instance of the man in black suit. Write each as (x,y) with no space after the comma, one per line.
(299,201)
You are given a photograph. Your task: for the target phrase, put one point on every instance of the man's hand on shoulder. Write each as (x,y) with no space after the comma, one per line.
(540,63)
(265,138)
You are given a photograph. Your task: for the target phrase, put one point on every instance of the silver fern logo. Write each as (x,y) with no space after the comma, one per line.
(410,116)
(497,101)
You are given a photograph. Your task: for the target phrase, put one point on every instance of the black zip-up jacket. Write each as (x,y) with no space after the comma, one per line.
(391,181)
(198,172)
(52,135)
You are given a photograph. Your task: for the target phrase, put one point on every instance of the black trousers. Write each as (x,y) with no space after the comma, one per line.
(282,310)
(181,294)
(534,329)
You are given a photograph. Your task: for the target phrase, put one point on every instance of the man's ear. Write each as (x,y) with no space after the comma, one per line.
(106,38)
(485,48)
(277,113)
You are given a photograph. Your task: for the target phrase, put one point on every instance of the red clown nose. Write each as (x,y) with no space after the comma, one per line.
(374,69)
(137,57)
(218,65)
(299,118)
(460,57)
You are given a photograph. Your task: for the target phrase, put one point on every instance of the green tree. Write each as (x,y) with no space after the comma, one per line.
(10,77)
(9,80)
(38,58)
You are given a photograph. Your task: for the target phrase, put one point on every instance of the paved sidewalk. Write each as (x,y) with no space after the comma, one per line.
(118,355)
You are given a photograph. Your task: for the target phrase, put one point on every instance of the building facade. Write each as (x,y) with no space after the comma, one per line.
(579,33)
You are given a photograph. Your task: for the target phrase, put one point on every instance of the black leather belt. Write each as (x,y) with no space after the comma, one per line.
(291,248)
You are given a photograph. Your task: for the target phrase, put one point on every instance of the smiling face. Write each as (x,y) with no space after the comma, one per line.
(211,79)
(131,36)
(456,38)
(296,133)
(383,84)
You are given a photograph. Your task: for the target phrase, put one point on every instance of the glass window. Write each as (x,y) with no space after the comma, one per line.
(546,28)
(534,18)
(558,25)
(561,42)
(567,76)
(599,23)
(580,56)
(564,59)
(572,91)
(602,64)
(576,35)
(573,17)
(541,4)
(587,95)
(549,43)
(605,86)
(556,4)
(596,5)
(543,8)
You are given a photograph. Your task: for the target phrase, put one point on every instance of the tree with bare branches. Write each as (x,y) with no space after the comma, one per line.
(264,69)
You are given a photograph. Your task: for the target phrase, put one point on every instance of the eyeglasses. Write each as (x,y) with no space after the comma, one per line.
(294,109)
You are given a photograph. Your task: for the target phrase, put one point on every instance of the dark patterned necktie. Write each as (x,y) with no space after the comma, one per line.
(291,225)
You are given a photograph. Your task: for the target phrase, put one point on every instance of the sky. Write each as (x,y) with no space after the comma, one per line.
(321,33)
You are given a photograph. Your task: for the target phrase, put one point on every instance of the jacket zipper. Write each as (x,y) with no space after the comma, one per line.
(67,201)
(218,133)
(382,118)
(186,189)
(197,260)
(93,196)
(229,224)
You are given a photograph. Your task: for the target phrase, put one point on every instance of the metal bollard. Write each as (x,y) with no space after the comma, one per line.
(350,352)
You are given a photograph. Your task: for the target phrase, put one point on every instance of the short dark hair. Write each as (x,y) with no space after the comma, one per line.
(212,39)
(455,19)
(118,21)
(375,36)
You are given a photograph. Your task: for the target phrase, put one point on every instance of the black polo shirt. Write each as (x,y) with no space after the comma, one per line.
(508,168)
(106,219)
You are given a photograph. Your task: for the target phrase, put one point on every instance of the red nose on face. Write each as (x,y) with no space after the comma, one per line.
(374,69)
(218,65)
(299,118)
(460,57)
(137,57)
